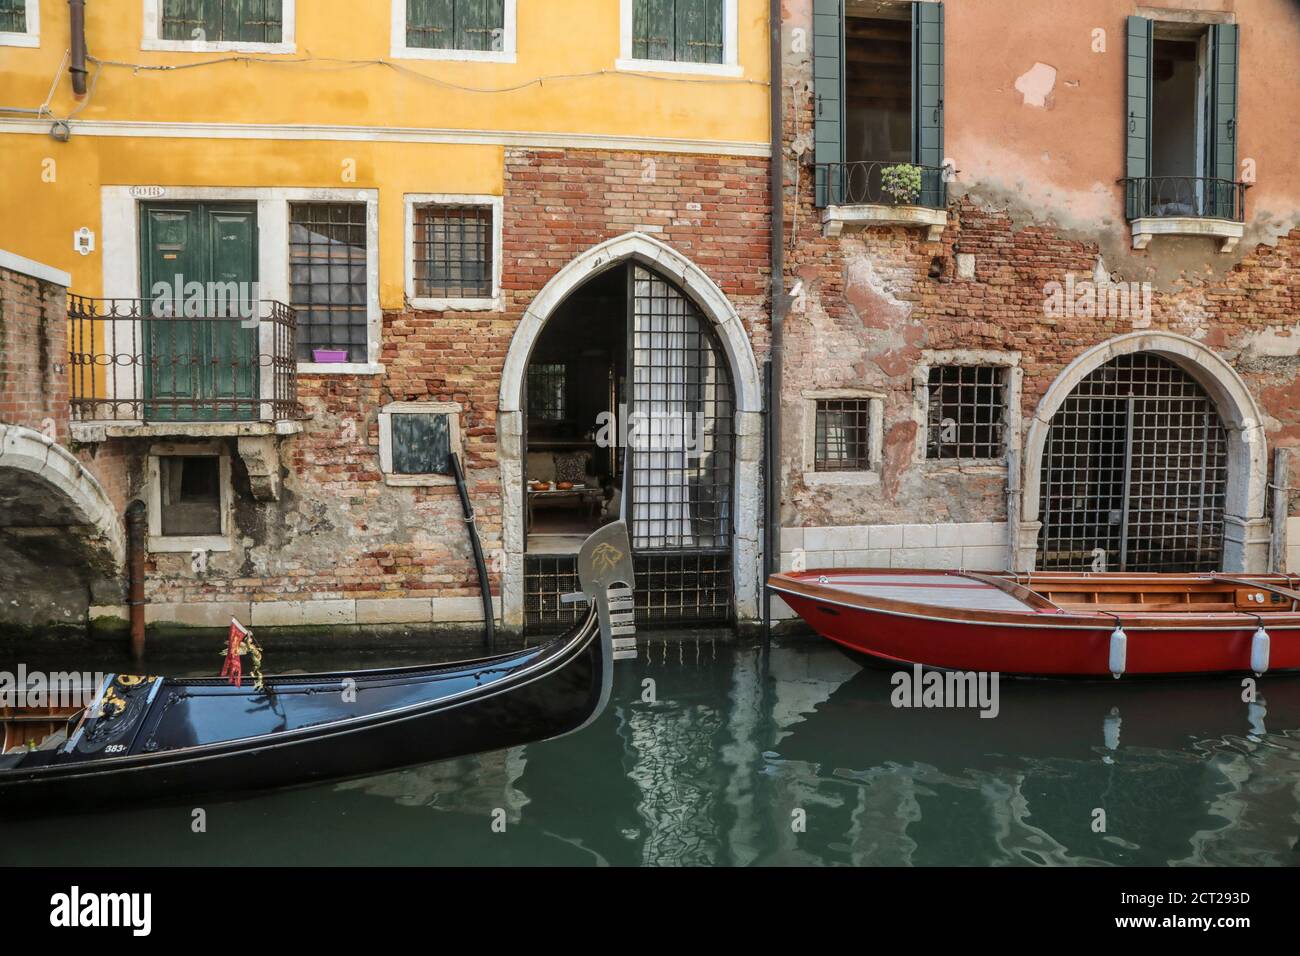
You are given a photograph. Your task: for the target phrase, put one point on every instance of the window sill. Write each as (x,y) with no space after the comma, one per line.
(464,56)
(418,481)
(341,368)
(835,219)
(853,478)
(215,46)
(90,432)
(673,66)
(1225,230)
(455,305)
(166,544)
(20,39)
(966,466)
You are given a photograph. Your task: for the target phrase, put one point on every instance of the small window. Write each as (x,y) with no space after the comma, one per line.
(452,252)
(416,442)
(843,435)
(327,280)
(191,494)
(456,24)
(546,392)
(222,21)
(20,22)
(683,31)
(967,412)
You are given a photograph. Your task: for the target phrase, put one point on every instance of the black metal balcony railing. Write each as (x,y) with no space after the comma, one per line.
(1199,197)
(844,184)
(132,361)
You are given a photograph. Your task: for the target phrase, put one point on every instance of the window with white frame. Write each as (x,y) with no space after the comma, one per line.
(20,23)
(453,252)
(328,280)
(417,440)
(679,36)
(254,26)
(966,404)
(454,30)
(188,487)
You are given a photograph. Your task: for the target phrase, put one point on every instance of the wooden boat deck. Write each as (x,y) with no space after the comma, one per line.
(936,589)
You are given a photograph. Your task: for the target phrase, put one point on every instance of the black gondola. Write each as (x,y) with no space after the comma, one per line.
(154,738)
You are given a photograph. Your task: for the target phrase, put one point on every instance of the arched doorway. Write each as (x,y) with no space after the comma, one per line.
(1146,453)
(1135,473)
(685,364)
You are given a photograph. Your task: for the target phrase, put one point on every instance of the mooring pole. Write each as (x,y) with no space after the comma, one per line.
(135,531)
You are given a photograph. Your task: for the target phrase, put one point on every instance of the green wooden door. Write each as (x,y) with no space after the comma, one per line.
(199,366)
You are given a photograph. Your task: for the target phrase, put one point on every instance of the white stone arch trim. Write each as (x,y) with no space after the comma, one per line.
(715,305)
(1247,444)
(24,449)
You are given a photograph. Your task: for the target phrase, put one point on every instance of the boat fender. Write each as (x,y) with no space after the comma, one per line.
(1259,651)
(1118,651)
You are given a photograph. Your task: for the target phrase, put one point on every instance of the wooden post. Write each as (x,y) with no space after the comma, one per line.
(1280,486)
(135,533)
(1013,508)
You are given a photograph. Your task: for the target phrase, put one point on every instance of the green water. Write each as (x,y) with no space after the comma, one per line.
(719,754)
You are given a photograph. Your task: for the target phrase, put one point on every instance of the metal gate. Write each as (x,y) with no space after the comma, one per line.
(1135,471)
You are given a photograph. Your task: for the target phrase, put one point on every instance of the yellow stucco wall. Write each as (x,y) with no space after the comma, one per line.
(342,75)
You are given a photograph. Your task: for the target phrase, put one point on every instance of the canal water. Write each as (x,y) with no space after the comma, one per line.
(721,754)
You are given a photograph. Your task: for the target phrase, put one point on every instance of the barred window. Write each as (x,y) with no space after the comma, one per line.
(211,21)
(967,412)
(546,392)
(685,31)
(452,251)
(13,16)
(843,435)
(327,279)
(455,24)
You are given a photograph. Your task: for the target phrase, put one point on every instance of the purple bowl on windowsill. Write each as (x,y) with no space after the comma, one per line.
(329,356)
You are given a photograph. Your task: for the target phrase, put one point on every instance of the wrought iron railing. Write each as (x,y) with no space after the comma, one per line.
(846,184)
(215,361)
(1199,197)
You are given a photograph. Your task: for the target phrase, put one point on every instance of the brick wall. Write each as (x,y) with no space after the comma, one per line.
(33,343)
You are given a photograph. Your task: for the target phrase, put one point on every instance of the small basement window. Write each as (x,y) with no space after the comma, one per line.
(843,435)
(966,412)
(416,442)
(189,498)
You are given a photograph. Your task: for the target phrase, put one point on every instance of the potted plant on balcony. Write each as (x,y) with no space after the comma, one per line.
(902,183)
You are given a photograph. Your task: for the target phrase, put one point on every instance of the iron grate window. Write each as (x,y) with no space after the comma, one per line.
(455,24)
(685,31)
(327,278)
(208,21)
(967,412)
(13,16)
(546,384)
(671,589)
(684,407)
(1134,473)
(453,251)
(843,435)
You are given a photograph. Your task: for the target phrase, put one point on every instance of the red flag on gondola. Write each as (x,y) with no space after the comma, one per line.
(234,667)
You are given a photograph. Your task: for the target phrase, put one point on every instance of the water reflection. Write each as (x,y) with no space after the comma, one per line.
(713,754)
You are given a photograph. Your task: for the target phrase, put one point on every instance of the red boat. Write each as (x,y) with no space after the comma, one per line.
(1054,623)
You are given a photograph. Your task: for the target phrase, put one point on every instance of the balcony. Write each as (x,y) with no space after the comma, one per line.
(217,370)
(879,193)
(1185,206)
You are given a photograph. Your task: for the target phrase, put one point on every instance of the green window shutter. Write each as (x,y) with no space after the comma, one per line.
(927,98)
(1137,118)
(654,28)
(1223,142)
(828,109)
(249,21)
(13,16)
(699,31)
(431,24)
(455,24)
(480,24)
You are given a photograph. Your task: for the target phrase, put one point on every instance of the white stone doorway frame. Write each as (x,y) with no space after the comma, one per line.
(1245,532)
(714,304)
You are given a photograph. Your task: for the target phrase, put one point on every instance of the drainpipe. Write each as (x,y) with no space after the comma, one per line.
(77,15)
(772,524)
(135,517)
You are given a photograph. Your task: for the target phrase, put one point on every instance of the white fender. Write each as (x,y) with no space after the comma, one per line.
(1118,651)
(1259,651)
